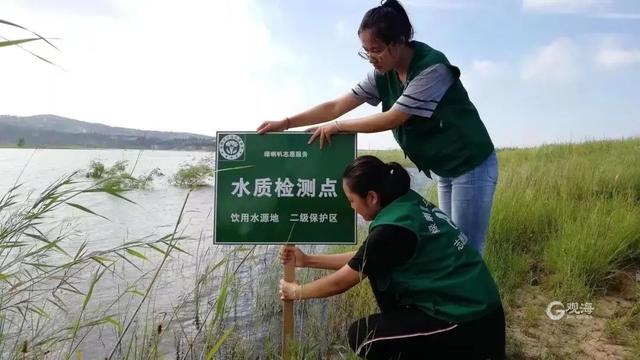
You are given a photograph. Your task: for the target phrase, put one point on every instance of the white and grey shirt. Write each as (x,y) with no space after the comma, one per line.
(419,97)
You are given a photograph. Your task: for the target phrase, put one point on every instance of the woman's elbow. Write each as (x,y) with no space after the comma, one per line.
(342,285)
(340,288)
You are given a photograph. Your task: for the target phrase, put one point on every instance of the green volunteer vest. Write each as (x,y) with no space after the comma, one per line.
(451,142)
(445,278)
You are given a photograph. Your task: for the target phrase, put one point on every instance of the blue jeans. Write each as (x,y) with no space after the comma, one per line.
(467,199)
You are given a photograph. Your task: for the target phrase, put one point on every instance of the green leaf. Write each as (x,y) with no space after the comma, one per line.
(92,286)
(135,292)
(112,193)
(291,232)
(16,42)
(136,254)
(24,28)
(222,298)
(80,251)
(171,246)
(157,249)
(4,277)
(113,321)
(39,311)
(80,207)
(129,261)
(101,260)
(58,305)
(13,245)
(216,266)
(51,244)
(219,343)
(41,58)
(235,168)
(40,266)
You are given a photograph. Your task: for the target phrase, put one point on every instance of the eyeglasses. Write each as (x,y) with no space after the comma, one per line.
(368,54)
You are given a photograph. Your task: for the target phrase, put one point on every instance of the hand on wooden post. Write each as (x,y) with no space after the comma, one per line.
(290,290)
(290,253)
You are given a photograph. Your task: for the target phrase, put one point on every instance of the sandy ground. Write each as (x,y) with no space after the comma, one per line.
(533,335)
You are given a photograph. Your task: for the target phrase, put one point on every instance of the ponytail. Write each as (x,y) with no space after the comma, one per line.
(368,173)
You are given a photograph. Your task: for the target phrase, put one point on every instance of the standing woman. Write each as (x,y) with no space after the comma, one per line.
(427,108)
(436,296)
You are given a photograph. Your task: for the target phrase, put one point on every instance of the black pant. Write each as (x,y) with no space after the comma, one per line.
(411,334)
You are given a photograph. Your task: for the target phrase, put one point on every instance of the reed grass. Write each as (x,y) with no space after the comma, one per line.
(48,307)
(567,215)
(566,220)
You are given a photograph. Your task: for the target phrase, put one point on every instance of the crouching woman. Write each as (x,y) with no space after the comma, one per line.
(436,297)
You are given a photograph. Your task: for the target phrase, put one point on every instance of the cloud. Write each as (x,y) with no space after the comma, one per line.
(484,68)
(616,58)
(618,16)
(78,7)
(196,66)
(599,9)
(564,6)
(557,61)
(479,71)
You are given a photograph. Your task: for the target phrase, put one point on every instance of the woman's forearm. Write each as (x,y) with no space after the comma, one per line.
(317,114)
(329,262)
(333,284)
(387,120)
(326,111)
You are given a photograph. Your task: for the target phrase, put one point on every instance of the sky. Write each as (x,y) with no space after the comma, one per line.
(539,71)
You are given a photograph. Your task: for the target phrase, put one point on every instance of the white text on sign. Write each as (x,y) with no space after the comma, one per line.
(275,218)
(281,188)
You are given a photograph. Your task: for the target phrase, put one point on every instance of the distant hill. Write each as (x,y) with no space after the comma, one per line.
(58,131)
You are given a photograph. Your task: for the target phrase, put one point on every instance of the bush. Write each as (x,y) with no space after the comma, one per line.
(117,178)
(194,175)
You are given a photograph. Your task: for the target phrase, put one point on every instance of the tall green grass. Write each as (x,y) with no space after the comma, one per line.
(566,217)
(48,282)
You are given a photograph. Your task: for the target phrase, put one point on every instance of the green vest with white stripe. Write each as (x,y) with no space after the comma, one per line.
(445,278)
(454,140)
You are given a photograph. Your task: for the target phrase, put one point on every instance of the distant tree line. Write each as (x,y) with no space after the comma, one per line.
(46,138)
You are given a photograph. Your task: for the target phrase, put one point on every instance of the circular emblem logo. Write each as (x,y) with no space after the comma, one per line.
(231,147)
(555,314)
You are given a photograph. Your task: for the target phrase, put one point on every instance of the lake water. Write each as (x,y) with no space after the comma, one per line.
(153,216)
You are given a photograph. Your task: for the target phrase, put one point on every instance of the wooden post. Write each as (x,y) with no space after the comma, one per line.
(287,311)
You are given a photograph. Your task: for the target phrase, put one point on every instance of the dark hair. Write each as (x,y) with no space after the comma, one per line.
(368,173)
(389,23)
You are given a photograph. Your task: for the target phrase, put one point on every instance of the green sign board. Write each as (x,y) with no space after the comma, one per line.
(276,189)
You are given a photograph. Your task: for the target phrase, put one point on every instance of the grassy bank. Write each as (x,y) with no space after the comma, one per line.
(565,226)
(564,215)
